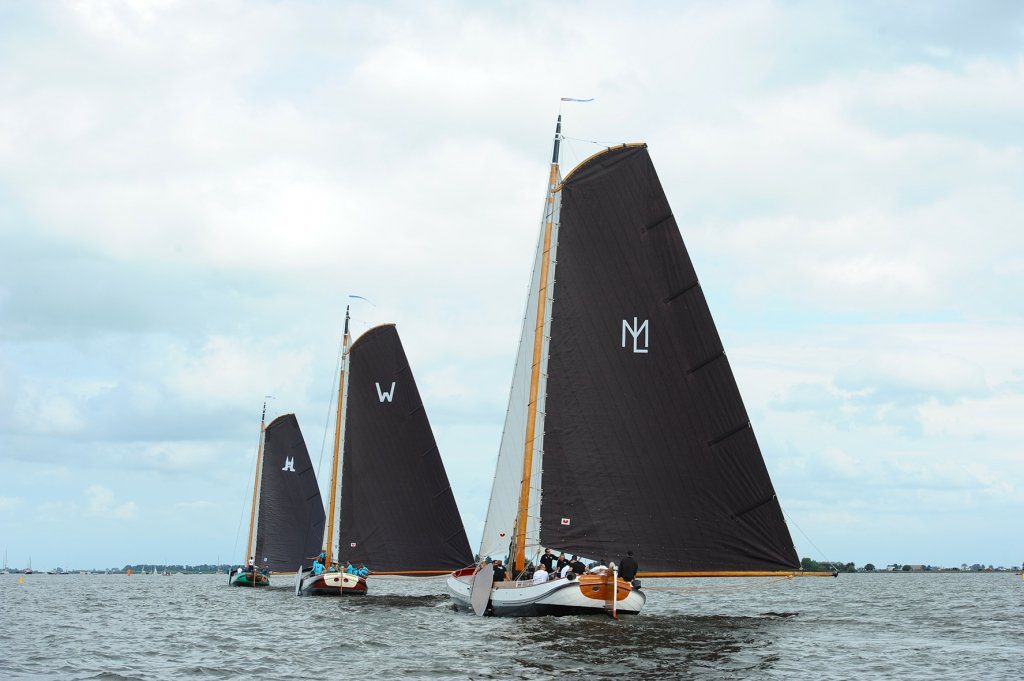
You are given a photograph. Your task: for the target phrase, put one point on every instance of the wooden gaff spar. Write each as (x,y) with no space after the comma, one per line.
(625,429)
(391,506)
(287,516)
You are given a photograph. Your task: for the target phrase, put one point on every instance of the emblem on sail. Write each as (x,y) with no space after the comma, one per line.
(289,464)
(385,395)
(635,330)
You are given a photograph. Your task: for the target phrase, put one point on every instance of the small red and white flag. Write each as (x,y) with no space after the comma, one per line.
(566,521)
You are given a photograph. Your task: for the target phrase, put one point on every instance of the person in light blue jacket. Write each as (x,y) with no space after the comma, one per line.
(362,570)
(318,567)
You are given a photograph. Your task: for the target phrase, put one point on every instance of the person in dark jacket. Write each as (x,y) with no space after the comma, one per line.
(548,561)
(577,565)
(628,567)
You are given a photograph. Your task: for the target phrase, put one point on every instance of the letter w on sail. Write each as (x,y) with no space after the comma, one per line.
(635,330)
(386,395)
(289,464)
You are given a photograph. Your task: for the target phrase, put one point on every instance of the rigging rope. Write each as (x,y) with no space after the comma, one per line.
(578,139)
(245,490)
(330,404)
(809,540)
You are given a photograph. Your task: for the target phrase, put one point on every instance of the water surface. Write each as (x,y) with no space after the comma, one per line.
(906,626)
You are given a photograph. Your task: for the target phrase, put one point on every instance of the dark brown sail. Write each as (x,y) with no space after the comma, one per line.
(398,513)
(291,512)
(647,445)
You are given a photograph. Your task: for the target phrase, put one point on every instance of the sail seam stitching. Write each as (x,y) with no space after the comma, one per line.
(686,290)
(737,516)
(659,223)
(728,435)
(706,362)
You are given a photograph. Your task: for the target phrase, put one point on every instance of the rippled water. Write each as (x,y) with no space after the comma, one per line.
(864,626)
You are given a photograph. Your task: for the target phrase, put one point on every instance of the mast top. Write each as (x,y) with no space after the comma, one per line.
(558,140)
(346,318)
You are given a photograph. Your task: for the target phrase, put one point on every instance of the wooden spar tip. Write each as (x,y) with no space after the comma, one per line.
(738,573)
(558,140)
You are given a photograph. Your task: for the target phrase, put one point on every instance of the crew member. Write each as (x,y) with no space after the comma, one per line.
(548,560)
(541,574)
(500,571)
(628,567)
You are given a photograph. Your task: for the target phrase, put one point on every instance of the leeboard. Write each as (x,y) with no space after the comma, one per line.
(480,592)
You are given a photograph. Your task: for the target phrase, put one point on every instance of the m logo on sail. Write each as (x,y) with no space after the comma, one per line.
(385,395)
(289,464)
(635,330)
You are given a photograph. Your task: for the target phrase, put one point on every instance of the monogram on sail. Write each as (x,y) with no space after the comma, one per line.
(625,428)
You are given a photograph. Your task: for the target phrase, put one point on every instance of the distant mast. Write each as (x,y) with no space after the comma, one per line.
(331,533)
(522,516)
(250,557)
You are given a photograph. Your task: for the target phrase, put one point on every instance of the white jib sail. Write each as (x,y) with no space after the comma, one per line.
(503,506)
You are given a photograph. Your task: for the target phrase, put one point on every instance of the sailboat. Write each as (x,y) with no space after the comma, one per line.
(287,516)
(391,507)
(625,429)
(5,570)
(28,570)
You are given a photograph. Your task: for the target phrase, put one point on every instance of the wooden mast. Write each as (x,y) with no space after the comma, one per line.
(338,424)
(519,560)
(256,486)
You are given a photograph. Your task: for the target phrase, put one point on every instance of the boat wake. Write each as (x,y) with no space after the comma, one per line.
(395,601)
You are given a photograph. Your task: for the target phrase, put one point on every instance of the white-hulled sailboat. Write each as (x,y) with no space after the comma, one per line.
(625,429)
(391,507)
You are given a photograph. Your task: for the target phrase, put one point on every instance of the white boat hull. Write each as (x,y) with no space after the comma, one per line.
(330,584)
(591,594)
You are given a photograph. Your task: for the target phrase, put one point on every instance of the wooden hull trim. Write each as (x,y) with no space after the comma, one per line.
(331,584)
(242,579)
(585,596)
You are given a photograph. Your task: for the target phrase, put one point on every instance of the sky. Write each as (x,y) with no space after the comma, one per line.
(189,192)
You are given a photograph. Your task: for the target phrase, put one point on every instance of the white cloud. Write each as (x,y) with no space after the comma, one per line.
(232,371)
(995,418)
(10,503)
(101,502)
(199,505)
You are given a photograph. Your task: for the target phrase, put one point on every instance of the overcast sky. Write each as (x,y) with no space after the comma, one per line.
(188,192)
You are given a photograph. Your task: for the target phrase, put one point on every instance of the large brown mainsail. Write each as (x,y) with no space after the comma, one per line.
(398,513)
(647,445)
(291,510)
